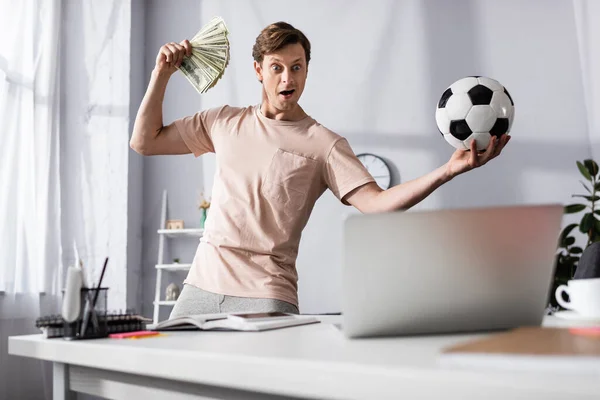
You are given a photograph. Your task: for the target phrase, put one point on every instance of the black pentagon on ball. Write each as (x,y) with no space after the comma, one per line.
(444,99)
(509,97)
(480,95)
(460,129)
(500,127)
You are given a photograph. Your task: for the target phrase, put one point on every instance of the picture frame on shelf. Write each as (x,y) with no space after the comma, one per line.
(174,224)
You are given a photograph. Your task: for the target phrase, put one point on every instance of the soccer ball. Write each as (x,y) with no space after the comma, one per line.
(474,108)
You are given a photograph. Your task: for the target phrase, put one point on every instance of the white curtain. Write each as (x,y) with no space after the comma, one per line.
(587,25)
(30,235)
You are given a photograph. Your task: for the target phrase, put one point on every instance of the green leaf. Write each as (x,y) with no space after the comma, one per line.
(588,198)
(576,250)
(597,212)
(586,188)
(574,208)
(591,166)
(584,171)
(597,186)
(568,230)
(596,229)
(586,223)
(562,241)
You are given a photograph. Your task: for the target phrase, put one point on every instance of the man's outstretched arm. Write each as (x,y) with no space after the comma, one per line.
(370,198)
(150,136)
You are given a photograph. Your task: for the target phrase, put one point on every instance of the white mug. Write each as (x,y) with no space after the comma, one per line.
(584,296)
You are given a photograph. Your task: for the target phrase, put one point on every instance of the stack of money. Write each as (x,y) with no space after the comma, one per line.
(210,56)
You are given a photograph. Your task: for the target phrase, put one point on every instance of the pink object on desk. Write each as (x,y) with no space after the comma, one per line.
(133,335)
(586,331)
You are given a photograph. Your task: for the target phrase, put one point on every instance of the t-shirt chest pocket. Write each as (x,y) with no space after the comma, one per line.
(289,179)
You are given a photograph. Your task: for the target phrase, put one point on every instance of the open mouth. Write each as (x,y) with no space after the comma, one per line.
(287,93)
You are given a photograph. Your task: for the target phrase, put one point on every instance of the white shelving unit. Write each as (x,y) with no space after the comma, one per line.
(160,266)
(173,233)
(174,267)
(166,303)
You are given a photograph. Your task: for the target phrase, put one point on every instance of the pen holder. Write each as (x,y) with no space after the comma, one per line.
(92,320)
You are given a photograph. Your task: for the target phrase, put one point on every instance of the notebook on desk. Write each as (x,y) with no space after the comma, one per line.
(529,349)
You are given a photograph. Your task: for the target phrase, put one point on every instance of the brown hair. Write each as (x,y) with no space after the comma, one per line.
(276,36)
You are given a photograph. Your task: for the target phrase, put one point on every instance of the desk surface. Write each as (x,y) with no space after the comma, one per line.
(308,361)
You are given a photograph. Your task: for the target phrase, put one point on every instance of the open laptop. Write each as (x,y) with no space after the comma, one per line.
(442,271)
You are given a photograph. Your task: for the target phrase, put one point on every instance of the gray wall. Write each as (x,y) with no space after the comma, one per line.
(375,77)
(181,176)
(136,164)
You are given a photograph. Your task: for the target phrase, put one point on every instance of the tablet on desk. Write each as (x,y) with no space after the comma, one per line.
(265,316)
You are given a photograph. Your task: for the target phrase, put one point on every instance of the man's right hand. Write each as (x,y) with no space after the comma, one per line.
(171,55)
(150,136)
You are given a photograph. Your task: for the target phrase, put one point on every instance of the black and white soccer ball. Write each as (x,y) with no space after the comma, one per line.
(474,108)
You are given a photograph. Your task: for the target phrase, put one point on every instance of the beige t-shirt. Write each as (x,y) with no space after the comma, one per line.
(269,174)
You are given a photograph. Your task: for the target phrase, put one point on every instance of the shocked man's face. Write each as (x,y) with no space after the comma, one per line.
(283,74)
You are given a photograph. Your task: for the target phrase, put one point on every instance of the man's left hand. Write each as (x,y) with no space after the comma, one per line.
(465,160)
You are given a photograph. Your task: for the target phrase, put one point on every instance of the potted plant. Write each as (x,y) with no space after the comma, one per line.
(568,253)
(203,205)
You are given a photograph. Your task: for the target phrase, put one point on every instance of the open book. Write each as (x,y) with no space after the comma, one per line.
(235,322)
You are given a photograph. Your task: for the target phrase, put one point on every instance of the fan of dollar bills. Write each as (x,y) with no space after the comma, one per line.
(210,56)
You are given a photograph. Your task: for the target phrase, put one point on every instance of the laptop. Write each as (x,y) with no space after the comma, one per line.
(448,271)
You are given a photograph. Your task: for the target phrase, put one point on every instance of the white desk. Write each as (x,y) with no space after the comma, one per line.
(313,361)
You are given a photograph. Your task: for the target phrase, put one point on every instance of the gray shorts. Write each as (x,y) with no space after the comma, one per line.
(193,300)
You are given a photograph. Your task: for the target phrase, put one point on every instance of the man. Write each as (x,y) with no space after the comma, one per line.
(273,163)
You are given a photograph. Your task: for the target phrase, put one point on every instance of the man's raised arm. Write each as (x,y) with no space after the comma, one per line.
(150,136)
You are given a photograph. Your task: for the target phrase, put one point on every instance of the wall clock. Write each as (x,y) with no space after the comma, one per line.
(378,168)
